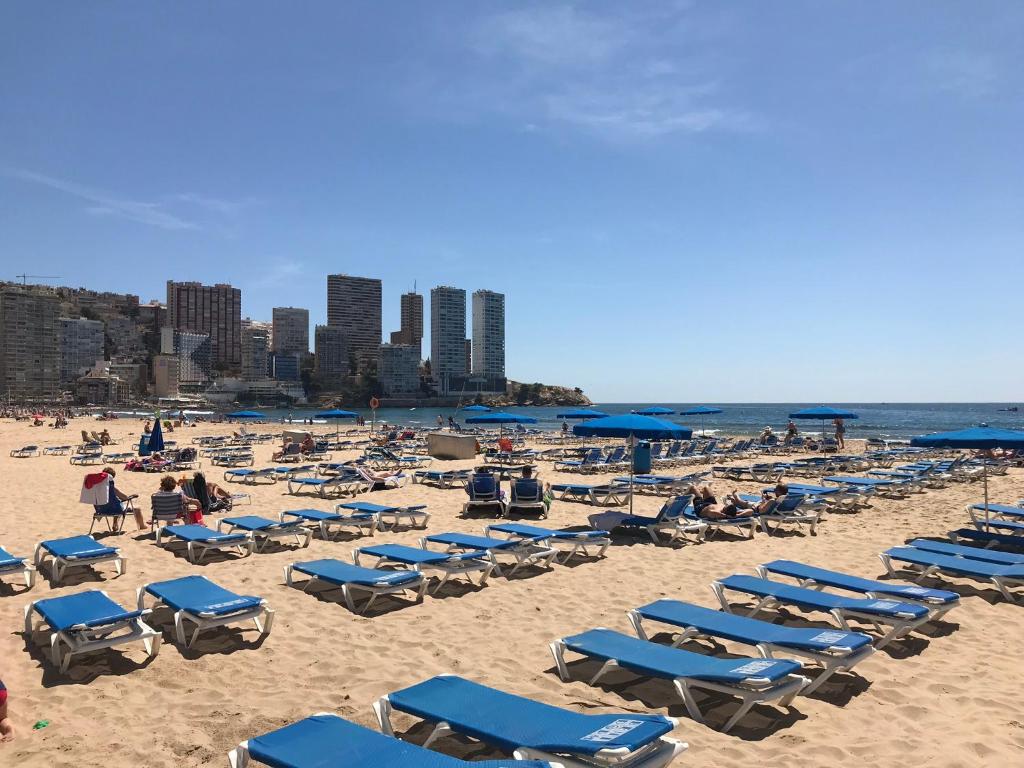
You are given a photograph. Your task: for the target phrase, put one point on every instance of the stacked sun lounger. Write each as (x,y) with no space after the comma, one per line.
(925,558)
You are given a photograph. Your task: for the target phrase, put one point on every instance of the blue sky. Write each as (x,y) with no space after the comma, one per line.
(690,201)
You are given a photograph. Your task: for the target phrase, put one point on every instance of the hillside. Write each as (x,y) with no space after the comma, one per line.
(518,393)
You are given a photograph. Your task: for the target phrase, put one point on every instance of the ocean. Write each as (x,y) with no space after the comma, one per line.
(887,420)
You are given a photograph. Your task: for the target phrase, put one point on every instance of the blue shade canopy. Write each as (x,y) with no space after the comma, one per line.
(500,417)
(823,412)
(246,415)
(477,408)
(644,427)
(336,413)
(980,438)
(655,410)
(581,413)
(701,410)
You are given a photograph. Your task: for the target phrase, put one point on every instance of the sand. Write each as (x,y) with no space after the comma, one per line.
(947,697)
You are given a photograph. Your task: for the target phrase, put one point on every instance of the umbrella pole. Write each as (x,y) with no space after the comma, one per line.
(984,478)
(632,459)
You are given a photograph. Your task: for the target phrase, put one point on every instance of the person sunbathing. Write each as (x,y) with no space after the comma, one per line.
(284,450)
(769,500)
(706,505)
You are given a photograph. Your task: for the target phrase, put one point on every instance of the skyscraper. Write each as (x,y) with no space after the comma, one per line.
(291,331)
(489,334)
(29,343)
(81,345)
(331,355)
(447,337)
(255,350)
(194,354)
(212,310)
(354,307)
(411,332)
(398,370)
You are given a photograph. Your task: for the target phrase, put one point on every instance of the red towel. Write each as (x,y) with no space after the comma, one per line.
(95,479)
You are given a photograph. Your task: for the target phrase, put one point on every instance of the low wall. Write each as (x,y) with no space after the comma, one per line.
(442,446)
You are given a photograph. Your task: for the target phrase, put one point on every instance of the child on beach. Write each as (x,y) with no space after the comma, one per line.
(6,726)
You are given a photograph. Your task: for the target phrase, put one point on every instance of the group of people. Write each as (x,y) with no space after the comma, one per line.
(207,497)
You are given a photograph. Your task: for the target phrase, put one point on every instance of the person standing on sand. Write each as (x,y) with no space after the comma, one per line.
(840,431)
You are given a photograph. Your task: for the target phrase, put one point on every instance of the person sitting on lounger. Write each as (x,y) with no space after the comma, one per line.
(193,509)
(380,480)
(546,496)
(706,505)
(308,446)
(105,437)
(211,497)
(769,500)
(284,450)
(147,428)
(791,431)
(505,445)
(115,498)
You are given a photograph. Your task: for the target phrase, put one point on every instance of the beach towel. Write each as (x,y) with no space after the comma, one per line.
(95,489)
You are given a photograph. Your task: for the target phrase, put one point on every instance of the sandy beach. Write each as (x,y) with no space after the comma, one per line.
(947,696)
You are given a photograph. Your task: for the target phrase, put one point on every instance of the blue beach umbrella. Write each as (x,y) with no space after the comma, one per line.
(337,414)
(654,410)
(702,411)
(823,413)
(476,409)
(501,418)
(632,426)
(581,414)
(982,438)
(245,415)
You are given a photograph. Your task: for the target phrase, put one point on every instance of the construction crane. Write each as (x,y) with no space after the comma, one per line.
(24,278)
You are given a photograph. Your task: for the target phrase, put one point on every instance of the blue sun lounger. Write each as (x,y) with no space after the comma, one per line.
(76,551)
(323,521)
(890,488)
(355,580)
(1001,510)
(938,601)
(25,452)
(578,541)
(206,605)
(754,681)
(325,740)
(415,515)
(793,509)
(263,530)
(988,538)
(901,617)
(834,650)
(10,564)
(198,540)
(929,563)
(87,621)
(525,551)
(442,479)
(597,495)
(972,553)
(529,729)
(450,565)
(327,486)
(670,518)
(250,476)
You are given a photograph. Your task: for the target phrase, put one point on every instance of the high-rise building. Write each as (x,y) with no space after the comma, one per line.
(331,355)
(489,334)
(194,353)
(214,310)
(447,337)
(81,345)
(165,376)
(412,320)
(285,367)
(354,307)
(255,350)
(29,343)
(469,356)
(398,369)
(291,331)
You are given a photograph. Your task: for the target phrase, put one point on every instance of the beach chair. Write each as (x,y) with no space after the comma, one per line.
(745,525)
(325,740)
(25,452)
(250,476)
(263,530)
(525,550)
(576,541)
(902,617)
(526,495)
(9,564)
(233,459)
(669,520)
(612,495)
(592,458)
(355,581)
(57,450)
(998,511)
(167,507)
(450,565)
(87,621)
(833,650)
(793,509)
(205,605)
(325,487)
(86,459)
(989,538)
(531,730)
(924,564)
(938,601)
(198,540)
(61,554)
(887,488)
(971,553)
(484,494)
(415,515)
(442,479)
(315,519)
(753,681)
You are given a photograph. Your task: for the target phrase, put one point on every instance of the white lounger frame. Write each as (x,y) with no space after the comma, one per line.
(576,545)
(526,553)
(835,659)
(253,478)
(59,565)
(416,515)
(262,616)
(196,550)
(899,627)
(753,690)
(87,639)
(349,591)
(448,569)
(657,754)
(262,538)
(26,570)
(1002,583)
(369,523)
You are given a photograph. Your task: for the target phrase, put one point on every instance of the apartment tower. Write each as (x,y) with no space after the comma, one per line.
(214,310)
(447,337)
(354,307)
(291,331)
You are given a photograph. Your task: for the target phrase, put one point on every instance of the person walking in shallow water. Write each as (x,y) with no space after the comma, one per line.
(840,431)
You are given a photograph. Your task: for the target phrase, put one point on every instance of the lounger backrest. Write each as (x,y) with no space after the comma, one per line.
(167,505)
(674,508)
(527,489)
(483,486)
(616,455)
(593,456)
(789,502)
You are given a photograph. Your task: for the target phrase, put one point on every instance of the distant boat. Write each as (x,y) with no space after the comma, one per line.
(1011,409)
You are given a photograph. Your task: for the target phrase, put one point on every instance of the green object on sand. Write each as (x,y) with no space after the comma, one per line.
(40,724)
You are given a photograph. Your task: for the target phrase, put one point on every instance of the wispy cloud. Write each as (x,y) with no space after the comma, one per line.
(629,74)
